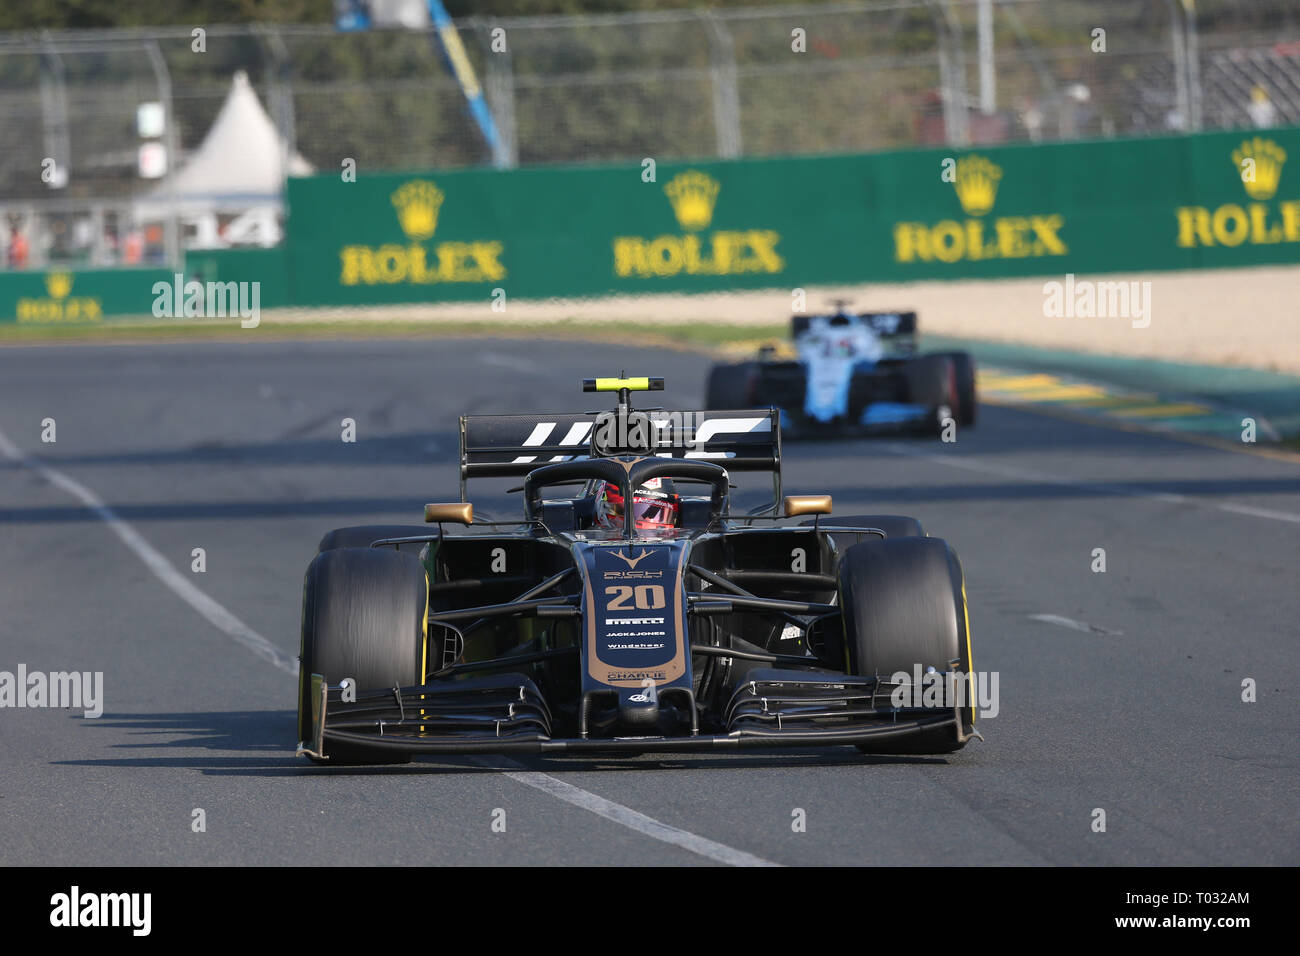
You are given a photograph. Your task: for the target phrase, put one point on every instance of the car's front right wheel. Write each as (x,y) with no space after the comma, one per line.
(904,606)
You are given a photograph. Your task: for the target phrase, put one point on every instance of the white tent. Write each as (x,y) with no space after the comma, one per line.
(238,164)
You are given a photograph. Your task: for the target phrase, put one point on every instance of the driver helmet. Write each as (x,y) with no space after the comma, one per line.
(654,505)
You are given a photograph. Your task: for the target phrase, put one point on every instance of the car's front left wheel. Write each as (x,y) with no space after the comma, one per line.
(364,615)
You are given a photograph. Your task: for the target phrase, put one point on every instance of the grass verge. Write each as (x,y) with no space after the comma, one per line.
(702,334)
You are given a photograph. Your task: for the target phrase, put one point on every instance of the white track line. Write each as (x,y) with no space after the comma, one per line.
(181,586)
(244,635)
(512,362)
(1024,474)
(624,816)
(1075,625)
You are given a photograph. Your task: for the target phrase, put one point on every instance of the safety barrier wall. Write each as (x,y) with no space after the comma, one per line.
(1180,202)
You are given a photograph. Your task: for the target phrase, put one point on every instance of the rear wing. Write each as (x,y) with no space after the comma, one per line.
(505,446)
(887,324)
(896,329)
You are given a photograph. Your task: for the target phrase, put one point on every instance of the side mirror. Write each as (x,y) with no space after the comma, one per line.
(459,512)
(795,505)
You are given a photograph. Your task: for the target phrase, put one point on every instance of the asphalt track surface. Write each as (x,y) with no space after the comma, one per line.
(235,448)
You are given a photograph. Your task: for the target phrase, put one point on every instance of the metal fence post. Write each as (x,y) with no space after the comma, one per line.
(280,83)
(1178,39)
(171,227)
(952,74)
(722,72)
(54,107)
(988,60)
(1193,65)
(499,86)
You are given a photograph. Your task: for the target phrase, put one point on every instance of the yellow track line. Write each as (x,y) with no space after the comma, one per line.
(1171,410)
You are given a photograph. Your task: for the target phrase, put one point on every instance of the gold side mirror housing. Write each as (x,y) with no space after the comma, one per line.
(458,512)
(795,505)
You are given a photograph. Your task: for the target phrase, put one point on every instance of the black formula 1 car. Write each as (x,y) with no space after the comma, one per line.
(852,373)
(583,626)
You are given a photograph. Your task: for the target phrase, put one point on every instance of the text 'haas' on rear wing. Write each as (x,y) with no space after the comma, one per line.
(503,446)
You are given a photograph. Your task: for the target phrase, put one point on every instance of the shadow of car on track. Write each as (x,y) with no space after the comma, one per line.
(415,448)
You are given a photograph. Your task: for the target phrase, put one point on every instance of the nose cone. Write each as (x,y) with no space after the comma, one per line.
(638,709)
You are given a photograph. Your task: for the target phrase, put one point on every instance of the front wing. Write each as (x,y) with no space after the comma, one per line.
(506,713)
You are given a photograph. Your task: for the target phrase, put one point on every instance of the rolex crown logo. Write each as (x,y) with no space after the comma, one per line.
(693,194)
(1260,176)
(976,184)
(417,205)
(58,284)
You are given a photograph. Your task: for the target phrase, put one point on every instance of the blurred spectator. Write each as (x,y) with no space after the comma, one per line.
(18,248)
(1261,109)
(133,247)
(83,240)
(1031,117)
(108,250)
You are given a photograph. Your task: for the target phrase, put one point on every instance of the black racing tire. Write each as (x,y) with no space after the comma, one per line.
(364,614)
(730,386)
(967,399)
(361,535)
(931,381)
(904,604)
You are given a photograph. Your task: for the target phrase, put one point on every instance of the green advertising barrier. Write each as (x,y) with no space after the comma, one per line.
(77,297)
(89,295)
(266,267)
(1222,199)
(1179,202)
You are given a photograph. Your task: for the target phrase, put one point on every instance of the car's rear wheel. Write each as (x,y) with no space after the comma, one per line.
(364,614)
(964,372)
(729,386)
(904,605)
(932,383)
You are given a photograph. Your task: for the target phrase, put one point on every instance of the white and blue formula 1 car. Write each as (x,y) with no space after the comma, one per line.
(852,373)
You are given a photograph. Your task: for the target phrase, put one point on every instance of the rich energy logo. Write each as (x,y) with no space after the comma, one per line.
(75,909)
(633,562)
